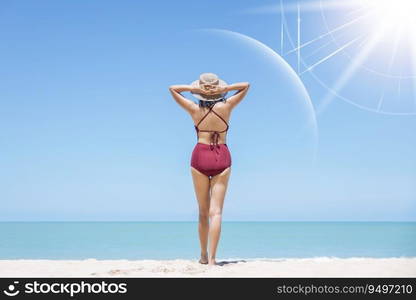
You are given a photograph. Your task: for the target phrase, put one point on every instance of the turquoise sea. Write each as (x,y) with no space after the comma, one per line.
(172,240)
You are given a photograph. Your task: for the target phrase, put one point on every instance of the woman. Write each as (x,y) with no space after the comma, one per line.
(211,158)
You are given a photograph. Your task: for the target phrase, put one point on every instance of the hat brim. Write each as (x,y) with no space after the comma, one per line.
(210,97)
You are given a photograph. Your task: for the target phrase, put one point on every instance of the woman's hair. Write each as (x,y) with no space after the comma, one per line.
(203,103)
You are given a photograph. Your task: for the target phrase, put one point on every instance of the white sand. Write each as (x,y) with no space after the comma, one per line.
(296,267)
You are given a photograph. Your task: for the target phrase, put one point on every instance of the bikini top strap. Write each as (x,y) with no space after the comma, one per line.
(205,115)
(222,120)
(211,109)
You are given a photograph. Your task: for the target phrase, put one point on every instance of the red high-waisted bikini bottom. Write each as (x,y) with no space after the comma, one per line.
(211,159)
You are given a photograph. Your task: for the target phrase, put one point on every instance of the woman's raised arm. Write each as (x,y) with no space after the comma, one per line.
(186,104)
(242,88)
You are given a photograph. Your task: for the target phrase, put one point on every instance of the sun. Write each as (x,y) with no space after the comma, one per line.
(393,14)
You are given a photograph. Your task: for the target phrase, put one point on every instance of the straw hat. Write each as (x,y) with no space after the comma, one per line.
(211,79)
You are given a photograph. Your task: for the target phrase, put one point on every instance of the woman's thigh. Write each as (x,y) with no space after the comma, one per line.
(219,185)
(202,190)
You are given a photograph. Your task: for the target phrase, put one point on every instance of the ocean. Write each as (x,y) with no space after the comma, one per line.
(179,240)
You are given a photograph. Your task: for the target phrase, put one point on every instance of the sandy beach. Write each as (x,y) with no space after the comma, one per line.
(293,267)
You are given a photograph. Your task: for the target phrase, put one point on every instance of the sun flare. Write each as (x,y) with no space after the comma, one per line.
(390,14)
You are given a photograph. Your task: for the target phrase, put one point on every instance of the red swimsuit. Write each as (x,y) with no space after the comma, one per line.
(214,158)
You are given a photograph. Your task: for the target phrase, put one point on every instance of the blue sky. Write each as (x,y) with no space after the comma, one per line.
(90,132)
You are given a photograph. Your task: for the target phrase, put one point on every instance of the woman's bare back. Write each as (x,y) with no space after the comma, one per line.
(212,122)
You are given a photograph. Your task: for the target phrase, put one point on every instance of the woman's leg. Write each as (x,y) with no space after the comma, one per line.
(219,185)
(201,185)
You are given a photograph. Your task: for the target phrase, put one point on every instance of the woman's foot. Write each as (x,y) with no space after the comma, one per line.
(212,262)
(204,259)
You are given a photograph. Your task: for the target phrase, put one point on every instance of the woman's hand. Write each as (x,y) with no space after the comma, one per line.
(218,90)
(198,90)
(211,90)
(215,90)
